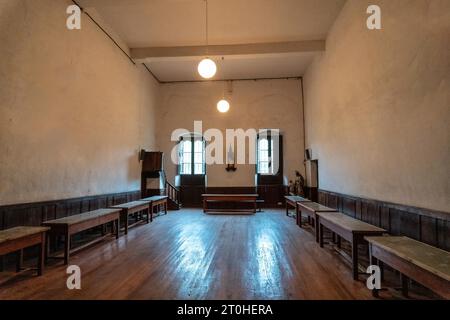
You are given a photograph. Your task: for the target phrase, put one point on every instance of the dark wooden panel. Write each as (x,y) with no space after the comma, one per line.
(22,216)
(74,207)
(443,234)
(428,230)
(385,218)
(84,205)
(348,206)
(333,201)
(323,198)
(48,212)
(61,210)
(34,214)
(370,212)
(425,225)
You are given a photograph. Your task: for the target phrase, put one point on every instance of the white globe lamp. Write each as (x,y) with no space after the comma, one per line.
(207,68)
(223,106)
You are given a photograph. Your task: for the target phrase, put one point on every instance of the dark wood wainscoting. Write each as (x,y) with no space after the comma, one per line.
(271,194)
(429,226)
(33,214)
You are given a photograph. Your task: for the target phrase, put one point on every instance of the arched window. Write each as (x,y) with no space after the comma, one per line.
(192,155)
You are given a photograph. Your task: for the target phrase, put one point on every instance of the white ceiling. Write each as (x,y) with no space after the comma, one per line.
(150,23)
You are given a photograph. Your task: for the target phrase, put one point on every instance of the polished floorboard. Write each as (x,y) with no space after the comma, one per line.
(189,255)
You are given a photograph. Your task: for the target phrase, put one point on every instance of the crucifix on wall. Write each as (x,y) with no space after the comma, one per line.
(231,163)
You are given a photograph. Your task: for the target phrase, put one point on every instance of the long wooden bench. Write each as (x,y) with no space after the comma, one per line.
(311,209)
(69,226)
(133,208)
(419,261)
(236,198)
(291,201)
(156,202)
(350,229)
(18,238)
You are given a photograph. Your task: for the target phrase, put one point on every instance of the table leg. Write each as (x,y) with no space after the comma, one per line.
(126,223)
(2,263)
(299,216)
(355,257)
(381,265)
(116,225)
(47,247)
(405,288)
(19,261)
(165,206)
(41,257)
(373,261)
(67,247)
(287,209)
(151,212)
(317,226)
(321,235)
(338,241)
(254,207)
(204,205)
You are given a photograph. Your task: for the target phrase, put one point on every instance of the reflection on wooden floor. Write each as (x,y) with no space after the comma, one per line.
(189,255)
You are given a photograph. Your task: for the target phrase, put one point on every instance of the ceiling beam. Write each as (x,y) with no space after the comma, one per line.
(144,54)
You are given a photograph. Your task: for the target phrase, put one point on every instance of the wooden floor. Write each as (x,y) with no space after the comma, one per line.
(189,255)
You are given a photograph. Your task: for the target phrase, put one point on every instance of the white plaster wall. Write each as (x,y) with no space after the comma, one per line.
(377,104)
(74,111)
(254,104)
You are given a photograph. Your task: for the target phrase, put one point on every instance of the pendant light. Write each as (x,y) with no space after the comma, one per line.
(223,105)
(207,68)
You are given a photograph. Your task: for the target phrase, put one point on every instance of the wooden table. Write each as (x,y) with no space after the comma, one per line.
(71,225)
(131,208)
(311,209)
(237,198)
(291,201)
(19,238)
(350,229)
(425,264)
(156,201)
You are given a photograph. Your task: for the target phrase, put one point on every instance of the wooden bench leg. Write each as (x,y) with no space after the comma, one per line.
(321,235)
(19,261)
(287,209)
(67,248)
(355,258)
(299,217)
(148,214)
(338,241)
(116,227)
(126,224)
(373,261)
(317,227)
(405,287)
(165,207)
(47,247)
(41,257)
(381,265)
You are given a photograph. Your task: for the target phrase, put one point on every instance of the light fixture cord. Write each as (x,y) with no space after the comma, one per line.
(206,16)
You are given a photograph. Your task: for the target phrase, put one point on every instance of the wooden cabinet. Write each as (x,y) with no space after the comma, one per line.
(152,161)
